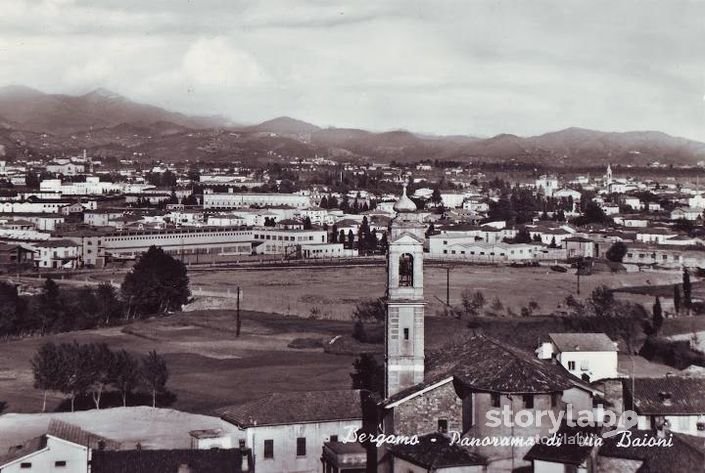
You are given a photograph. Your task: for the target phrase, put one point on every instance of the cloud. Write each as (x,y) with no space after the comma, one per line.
(214,62)
(455,66)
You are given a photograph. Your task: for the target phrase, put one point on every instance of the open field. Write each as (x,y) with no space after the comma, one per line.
(333,293)
(208,366)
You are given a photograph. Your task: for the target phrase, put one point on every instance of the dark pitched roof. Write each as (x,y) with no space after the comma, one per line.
(311,406)
(73,433)
(429,381)
(482,363)
(686,395)
(168,461)
(19,451)
(582,342)
(565,452)
(682,456)
(435,451)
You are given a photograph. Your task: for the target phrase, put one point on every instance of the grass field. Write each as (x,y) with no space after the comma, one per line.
(332,293)
(208,366)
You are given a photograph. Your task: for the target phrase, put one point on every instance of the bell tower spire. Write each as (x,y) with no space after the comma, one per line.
(404,324)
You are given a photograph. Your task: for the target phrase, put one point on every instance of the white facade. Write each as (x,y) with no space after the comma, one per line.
(58,456)
(231,200)
(284,438)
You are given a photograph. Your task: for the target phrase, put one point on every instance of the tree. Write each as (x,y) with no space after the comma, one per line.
(324,203)
(109,306)
(473,302)
(341,237)
(51,307)
(384,243)
(307,223)
(156,284)
(430,230)
(75,371)
(100,364)
(126,374)
(677,298)
(436,198)
(351,239)
(46,367)
(523,236)
(592,213)
(370,310)
(12,308)
(616,252)
(334,234)
(553,243)
(687,289)
(155,374)
(368,374)
(657,319)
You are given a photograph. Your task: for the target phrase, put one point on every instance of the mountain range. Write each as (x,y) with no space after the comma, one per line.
(34,123)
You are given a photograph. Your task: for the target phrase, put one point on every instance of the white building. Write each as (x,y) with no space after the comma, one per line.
(65,448)
(547,185)
(231,200)
(672,403)
(587,356)
(57,254)
(286,431)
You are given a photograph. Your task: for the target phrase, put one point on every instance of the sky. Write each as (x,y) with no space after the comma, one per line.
(436,66)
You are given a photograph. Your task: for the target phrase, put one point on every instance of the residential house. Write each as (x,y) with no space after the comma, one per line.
(588,356)
(686,213)
(286,431)
(64,448)
(57,254)
(674,403)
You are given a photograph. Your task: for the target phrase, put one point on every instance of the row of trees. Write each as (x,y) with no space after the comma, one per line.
(75,370)
(156,285)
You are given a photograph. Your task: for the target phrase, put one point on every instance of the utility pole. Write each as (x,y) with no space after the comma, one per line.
(448,286)
(577,274)
(238,323)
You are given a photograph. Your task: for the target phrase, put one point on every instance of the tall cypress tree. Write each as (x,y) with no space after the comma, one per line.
(687,289)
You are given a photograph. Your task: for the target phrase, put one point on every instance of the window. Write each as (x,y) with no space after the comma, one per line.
(301,447)
(406,270)
(25,465)
(528,401)
(495,399)
(443,426)
(333,438)
(60,463)
(555,399)
(269,449)
(406,334)
(571,365)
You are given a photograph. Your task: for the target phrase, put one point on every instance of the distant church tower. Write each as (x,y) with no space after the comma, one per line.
(608,175)
(404,325)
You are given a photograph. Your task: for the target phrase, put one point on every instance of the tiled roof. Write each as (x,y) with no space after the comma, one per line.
(310,406)
(564,452)
(19,451)
(435,451)
(57,244)
(686,395)
(681,457)
(169,461)
(484,364)
(567,342)
(73,433)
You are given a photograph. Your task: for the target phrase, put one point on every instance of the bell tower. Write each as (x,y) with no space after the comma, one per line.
(404,324)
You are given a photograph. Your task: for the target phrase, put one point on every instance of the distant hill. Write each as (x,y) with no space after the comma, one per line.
(33,110)
(284,126)
(33,123)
